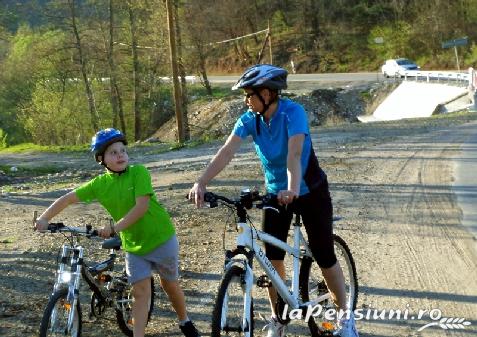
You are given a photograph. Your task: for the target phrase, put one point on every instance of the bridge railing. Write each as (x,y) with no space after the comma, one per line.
(468,79)
(461,78)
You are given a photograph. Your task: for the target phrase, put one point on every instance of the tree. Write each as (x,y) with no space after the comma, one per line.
(83,61)
(135,70)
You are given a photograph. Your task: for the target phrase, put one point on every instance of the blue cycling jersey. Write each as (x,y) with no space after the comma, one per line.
(272,145)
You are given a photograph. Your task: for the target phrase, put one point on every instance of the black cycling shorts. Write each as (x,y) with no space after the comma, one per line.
(316,211)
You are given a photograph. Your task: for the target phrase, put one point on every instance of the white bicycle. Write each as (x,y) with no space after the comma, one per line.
(233,313)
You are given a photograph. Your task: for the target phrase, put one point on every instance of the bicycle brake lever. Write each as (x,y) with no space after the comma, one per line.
(272,208)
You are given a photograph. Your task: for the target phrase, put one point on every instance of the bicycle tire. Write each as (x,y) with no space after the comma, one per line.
(58,300)
(124,308)
(312,283)
(229,301)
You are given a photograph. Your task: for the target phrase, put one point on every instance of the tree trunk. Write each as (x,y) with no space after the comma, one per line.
(112,68)
(83,64)
(203,70)
(135,73)
(122,121)
(182,73)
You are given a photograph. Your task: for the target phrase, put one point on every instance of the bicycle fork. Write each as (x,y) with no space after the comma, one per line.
(248,284)
(72,278)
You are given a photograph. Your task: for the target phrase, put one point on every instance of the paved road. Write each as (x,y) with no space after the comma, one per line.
(465,184)
(330,77)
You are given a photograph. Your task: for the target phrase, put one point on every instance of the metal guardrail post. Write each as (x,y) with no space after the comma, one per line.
(473,88)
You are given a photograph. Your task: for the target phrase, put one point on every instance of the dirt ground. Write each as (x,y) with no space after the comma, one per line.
(392,183)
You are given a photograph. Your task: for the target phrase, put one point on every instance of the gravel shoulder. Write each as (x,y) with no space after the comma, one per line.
(392,183)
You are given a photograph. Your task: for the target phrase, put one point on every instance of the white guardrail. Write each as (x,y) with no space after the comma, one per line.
(468,79)
(437,75)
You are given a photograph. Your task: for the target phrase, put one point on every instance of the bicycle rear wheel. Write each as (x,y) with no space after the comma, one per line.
(312,285)
(55,316)
(228,316)
(124,301)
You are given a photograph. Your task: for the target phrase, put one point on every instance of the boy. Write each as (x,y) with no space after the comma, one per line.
(147,233)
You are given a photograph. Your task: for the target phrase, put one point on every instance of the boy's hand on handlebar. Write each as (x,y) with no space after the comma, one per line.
(106,232)
(286,197)
(196,194)
(41,224)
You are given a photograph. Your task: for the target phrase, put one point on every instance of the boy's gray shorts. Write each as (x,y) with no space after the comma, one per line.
(164,260)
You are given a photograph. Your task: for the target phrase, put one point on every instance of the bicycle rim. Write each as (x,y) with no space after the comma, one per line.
(228,318)
(312,286)
(55,316)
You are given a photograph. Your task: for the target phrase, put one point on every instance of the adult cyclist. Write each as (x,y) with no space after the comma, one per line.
(279,129)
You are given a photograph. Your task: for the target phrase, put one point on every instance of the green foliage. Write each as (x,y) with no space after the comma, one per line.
(218,92)
(42,77)
(57,115)
(3,139)
(396,40)
(278,21)
(471,56)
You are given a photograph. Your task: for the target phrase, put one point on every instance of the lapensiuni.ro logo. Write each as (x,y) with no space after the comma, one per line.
(329,314)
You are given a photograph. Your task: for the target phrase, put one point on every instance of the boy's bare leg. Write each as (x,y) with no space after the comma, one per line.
(140,309)
(176,297)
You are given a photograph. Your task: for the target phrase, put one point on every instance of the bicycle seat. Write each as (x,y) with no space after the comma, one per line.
(112,243)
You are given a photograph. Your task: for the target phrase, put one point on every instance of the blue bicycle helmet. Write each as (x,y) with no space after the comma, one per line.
(103,138)
(263,76)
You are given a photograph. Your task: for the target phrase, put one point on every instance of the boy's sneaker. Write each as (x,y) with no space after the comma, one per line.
(189,330)
(275,328)
(347,328)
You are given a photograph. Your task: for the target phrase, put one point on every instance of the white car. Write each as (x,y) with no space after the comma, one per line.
(397,67)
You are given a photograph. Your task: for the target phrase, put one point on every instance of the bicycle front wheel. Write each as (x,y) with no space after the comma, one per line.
(313,285)
(124,303)
(55,316)
(229,317)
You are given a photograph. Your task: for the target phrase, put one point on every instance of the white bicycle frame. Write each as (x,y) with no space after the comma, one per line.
(72,282)
(248,237)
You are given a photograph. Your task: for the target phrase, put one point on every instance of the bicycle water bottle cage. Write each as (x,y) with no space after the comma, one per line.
(263,281)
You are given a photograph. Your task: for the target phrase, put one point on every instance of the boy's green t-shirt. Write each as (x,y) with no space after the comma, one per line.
(117,193)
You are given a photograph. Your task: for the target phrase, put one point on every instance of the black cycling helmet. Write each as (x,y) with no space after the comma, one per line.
(263,76)
(103,138)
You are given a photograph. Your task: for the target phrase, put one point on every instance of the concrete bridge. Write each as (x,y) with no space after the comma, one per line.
(421,94)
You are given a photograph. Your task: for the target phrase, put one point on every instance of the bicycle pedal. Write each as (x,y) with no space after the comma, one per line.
(263,281)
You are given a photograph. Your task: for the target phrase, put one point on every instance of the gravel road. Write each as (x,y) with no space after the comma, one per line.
(392,183)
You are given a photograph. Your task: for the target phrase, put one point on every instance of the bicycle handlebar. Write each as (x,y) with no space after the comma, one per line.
(247,200)
(59,227)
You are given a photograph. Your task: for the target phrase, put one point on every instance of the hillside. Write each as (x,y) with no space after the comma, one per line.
(325,106)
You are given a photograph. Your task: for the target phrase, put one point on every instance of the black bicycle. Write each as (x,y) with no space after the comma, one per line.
(109,287)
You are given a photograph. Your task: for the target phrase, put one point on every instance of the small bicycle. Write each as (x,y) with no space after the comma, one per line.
(110,288)
(233,312)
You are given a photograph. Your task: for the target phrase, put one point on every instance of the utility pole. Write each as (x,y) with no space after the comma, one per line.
(177,90)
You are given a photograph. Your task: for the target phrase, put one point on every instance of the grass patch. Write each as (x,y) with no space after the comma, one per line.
(166,147)
(20,171)
(30,147)
(8,240)
(218,92)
